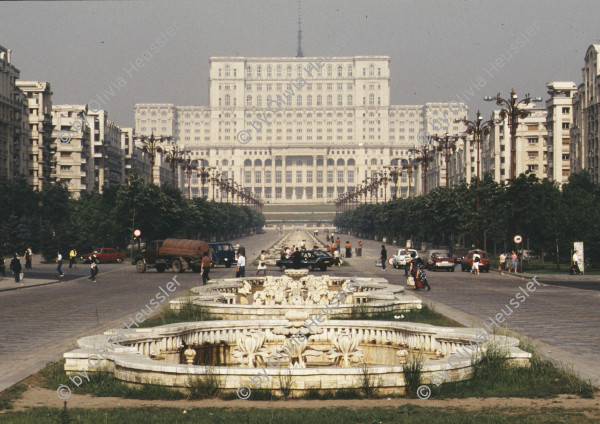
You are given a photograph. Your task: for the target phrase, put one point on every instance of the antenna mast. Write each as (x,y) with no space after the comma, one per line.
(299,52)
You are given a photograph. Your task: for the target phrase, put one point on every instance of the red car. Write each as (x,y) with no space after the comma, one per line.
(105,254)
(440,260)
(484,261)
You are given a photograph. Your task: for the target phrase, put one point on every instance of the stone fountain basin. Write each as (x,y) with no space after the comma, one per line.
(220,299)
(143,356)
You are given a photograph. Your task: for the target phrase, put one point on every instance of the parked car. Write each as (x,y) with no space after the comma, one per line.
(459,254)
(484,262)
(439,260)
(104,254)
(401,258)
(223,253)
(311,259)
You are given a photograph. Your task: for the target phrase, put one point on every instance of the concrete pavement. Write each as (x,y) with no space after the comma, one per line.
(563,321)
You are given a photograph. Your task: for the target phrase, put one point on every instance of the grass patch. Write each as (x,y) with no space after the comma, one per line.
(205,386)
(426,315)
(8,396)
(494,376)
(404,414)
(413,376)
(104,384)
(188,313)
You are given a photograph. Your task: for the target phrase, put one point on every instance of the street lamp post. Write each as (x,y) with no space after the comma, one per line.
(174,157)
(424,156)
(204,173)
(512,111)
(190,165)
(151,146)
(447,144)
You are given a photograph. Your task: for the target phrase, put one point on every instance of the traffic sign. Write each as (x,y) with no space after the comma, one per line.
(518,239)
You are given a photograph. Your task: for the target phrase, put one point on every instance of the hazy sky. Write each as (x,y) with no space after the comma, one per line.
(438,49)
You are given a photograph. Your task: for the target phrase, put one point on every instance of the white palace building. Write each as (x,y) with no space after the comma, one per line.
(300,129)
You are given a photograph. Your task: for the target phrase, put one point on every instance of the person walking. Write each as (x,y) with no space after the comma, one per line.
(336,258)
(72,257)
(28,257)
(502,262)
(59,264)
(417,271)
(93,271)
(575,264)
(359,249)
(205,268)
(262,263)
(297,259)
(241,264)
(513,262)
(476,260)
(15,267)
(406,262)
(338,243)
(383,257)
(348,247)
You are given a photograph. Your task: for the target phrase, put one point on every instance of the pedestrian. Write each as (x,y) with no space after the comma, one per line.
(15,267)
(383,257)
(205,268)
(502,262)
(406,262)
(72,257)
(359,249)
(575,264)
(513,262)
(59,266)
(28,257)
(262,263)
(336,258)
(417,271)
(2,266)
(297,259)
(303,244)
(241,265)
(338,243)
(348,249)
(93,270)
(476,260)
(236,247)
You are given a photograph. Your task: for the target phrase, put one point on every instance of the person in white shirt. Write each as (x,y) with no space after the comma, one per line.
(476,259)
(59,262)
(241,265)
(262,263)
(575,264)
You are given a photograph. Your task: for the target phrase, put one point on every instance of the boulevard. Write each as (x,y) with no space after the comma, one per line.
(38,324)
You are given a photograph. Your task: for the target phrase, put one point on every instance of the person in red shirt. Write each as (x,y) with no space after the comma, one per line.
(206,264)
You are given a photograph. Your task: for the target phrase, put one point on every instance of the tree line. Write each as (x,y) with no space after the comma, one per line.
(52,219)
(548,216)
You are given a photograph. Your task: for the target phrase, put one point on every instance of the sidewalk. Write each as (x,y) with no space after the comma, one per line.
(8,283)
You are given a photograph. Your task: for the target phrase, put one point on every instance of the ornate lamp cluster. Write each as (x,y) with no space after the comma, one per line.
(366,187)
(238,194)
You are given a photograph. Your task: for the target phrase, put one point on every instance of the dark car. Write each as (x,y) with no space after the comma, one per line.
(440,260)
(459,254)
(484,261)
(311,259)
(224,254)
(105,254)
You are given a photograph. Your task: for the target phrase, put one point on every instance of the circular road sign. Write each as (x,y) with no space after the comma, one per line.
(137,233)
(518,239)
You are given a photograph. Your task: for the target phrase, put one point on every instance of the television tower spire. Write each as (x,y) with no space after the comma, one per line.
(299,52)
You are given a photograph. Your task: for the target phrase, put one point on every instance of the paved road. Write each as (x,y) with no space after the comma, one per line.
(38,324)
(562,315)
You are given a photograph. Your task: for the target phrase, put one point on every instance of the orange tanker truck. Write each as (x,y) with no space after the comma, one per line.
(176,254)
